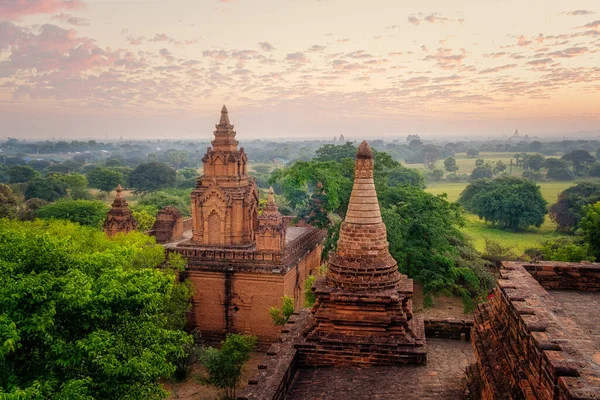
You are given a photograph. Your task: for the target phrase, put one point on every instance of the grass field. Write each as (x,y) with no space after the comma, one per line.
(479,230)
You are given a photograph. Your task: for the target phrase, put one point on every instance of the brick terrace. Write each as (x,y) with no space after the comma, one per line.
(441,378)
(583,308)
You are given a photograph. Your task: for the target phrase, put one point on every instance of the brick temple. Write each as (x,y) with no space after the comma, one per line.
(363,314)
(240,263)
(119,218)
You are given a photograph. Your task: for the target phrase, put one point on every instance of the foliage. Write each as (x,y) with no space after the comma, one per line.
(594,169)
(472,152)
(514,203)
(589,228)
(46,189)
(161,199)
(309,296)
(331,152)
(450,164)
(580,160)
(224,366)
(567,211)
(499,167)
(280,316)
(483,171)
(532,175)
(75,183)
(28,210)
(152,177)
(84,316)
(21,173)
(534,161)
(565,248)
(145,220)
(496,252)
(8,202)
(84,212)
(560,174)
(105,179)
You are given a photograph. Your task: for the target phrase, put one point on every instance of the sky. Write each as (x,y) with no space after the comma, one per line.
(154,69)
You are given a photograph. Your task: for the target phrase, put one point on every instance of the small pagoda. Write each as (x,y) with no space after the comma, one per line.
(363,313)
(120,218)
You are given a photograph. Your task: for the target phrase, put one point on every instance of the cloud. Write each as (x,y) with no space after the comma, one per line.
(161,37)
(414,20)
(447,58)
(69,19)
(135,41)
(593,25)
(497,69)
(266,46)
(523,41)
(298,57)
(435,17)
(343,40)
(541,61)
(15,9)
(316,48)
(579,12)
(569,53)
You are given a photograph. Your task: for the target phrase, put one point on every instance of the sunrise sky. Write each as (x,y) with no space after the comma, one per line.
(298,68)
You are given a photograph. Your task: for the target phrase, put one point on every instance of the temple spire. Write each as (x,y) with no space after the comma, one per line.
(271,195)
(224,116)
(362,261)
(119,190)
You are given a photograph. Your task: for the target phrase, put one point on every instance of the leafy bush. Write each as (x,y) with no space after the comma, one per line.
(309,296)
(280,316)
(533,175)
(495,252)
(590,228)
(224,366)
(161,199)
(8,202)
(105,179)
(568,210)
(152,177)
(84,212)
(46,189)
(84,316)
(28,210)
(565,249)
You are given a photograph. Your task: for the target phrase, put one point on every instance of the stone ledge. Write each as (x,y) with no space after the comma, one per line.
(448,328)
(566,276)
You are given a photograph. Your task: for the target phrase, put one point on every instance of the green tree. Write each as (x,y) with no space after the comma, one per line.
(568,210)
(46,189)
(28,210)
(472,152)
(84,316)
(75,183)
(534,162)
(480,172)
(161,199)
(560,174)
(450,164)
(152,177)
(514,203)
(580,160)
(565,248)
(332,152)
(590,228)
(21,173)
(105,179)
(84,212)
(499,167)
(224,366)
(8,202)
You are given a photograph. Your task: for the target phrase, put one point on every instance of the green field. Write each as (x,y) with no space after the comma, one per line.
(479,230)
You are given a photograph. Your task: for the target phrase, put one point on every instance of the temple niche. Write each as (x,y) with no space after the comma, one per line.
(120,218)
(240,263)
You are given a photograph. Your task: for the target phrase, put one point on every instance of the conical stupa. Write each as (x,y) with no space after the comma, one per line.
(363,313)
(120,218)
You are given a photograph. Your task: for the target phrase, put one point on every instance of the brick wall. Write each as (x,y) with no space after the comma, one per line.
(563,275)
(448,328)
(528,347)
(277,370)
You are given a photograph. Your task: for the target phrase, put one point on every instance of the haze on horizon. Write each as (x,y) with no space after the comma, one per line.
(315,68)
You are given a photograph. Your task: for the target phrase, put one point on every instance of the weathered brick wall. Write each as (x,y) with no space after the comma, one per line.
(277,370)
(448,328)
(563,275)
(527,347)
(187,224)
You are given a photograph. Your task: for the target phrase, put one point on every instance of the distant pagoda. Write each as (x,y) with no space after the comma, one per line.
(363,314)
(120,218)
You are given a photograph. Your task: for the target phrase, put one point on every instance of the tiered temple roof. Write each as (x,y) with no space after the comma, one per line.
(120,218)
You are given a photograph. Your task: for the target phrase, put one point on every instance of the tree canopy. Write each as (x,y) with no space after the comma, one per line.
(568,210)
(46,189)
(84,316)
(514,203)
(84,212)
(152,177)
(105,179)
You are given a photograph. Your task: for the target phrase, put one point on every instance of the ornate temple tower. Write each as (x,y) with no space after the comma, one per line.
(225,201)
(119,219)
(363,314)
(271,228)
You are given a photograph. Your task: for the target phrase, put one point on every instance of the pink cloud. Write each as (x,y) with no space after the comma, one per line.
(569,53)
(14,9)
(266,46)
(579,12)
(497,69)
(69,19)
(414,20)
(593,25)
(447,58)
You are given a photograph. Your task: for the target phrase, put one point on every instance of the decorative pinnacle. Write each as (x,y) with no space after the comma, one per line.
(119,190)
(271,196)
(224,116)
(364,151)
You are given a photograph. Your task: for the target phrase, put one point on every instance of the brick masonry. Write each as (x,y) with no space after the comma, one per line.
(528,347)
(568,276)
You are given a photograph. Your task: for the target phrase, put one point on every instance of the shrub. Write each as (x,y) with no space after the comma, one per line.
(280,316)
(84,212)
(565,248)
